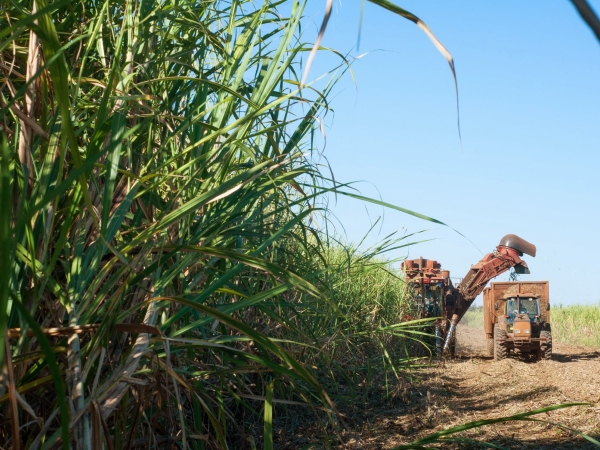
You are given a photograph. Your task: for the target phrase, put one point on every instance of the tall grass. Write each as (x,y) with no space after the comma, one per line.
(576,324)
(367,287)
(162,273)
(372,331)
(162,276)
(473,317)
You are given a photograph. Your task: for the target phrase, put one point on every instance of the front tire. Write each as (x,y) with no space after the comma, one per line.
(489,342)
(500,351)
(546,346)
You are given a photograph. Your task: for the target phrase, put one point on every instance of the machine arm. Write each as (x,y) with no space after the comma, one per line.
(507,255)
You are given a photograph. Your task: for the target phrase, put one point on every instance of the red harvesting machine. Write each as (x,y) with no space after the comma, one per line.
(434,295)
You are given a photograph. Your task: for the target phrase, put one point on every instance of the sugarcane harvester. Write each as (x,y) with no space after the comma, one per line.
(434,295)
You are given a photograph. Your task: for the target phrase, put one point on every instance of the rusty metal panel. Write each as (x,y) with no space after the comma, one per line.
(417,268)
(503,290)
(500,291)
(488,318)
(522,328)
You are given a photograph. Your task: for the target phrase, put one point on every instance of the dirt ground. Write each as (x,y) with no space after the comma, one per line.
(475,387)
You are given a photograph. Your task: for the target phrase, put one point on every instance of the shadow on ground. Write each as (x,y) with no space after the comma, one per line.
(567,358)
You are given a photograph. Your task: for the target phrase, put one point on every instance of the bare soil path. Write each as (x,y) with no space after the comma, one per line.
(475,387)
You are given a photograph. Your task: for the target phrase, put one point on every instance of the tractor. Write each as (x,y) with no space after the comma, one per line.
(517,319)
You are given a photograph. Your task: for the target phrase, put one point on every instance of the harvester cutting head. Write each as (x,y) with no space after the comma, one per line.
(514,242)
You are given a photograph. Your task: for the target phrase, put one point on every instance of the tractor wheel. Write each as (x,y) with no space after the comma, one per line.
(500,351)
(546,346)
(489,346)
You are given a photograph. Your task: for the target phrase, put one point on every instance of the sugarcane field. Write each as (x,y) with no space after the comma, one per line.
(294,224)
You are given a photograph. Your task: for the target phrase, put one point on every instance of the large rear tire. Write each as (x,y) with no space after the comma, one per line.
(546,346)
(500,351)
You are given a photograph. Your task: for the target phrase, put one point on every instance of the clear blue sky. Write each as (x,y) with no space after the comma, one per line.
(529,86)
